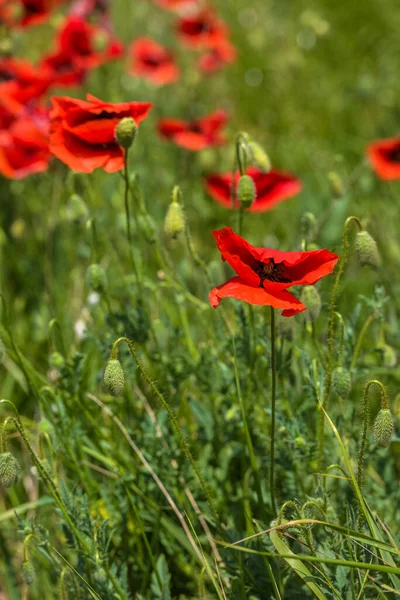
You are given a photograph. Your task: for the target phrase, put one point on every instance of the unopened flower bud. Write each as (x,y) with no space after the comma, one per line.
(114,377)
(389,358)
(246,191)
(125,132)
(28,572)
(383,427)
(10,469)
(312,300)
(336,185)
(174,222)
(366,249)
(259,157)
(56,360)
(96,277)
(341,382)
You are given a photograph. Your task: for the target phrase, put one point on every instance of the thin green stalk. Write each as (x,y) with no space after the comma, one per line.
(273,403)
(331,339)
(171,414)
(128,222)
(360,339)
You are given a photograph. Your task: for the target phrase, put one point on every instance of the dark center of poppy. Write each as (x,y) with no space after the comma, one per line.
(152,61)
(394,155)
(32,7)
(270,271)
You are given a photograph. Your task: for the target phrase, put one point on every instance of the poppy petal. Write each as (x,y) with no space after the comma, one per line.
(238,253)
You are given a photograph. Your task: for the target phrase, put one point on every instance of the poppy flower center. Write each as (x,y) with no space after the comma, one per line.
(152,61)
(394,155)
(270,271)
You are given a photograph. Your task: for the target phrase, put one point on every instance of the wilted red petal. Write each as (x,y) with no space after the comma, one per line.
(384,156)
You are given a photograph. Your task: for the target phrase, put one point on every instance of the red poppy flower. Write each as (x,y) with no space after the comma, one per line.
(384,156)
(195,135)
(23,13)
(76,51)
(202,30)
(82,132)
(20,83)
(217,57)
(264,274)
(24,147)
(153,62)
(271,188)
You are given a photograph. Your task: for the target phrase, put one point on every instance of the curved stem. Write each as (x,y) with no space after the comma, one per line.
(273,403)
(171,414)
(341,339)
(128,220)
(331,338)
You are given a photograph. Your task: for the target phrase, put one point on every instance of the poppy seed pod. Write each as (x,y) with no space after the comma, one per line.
(366,249)
(114,377)
(28,572)
(246,191)
(341,382)
(383,427)
(125,132)
(259,157)
(96,277)
(10,469)
(174,222)
(312,300)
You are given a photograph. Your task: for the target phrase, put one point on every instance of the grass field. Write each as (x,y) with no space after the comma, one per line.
(153,447)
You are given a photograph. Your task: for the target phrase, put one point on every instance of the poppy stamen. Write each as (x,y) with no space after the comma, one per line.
(270,271)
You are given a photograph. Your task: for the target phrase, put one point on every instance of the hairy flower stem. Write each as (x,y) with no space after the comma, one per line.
(128,222)
(363,443)
(273,402)
(331,340)
(171,414)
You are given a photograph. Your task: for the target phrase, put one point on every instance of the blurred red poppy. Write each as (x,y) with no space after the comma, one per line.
(153,62)
(202,30)
(82,132)
(271,188)
(20,83)
(85,8)
(80,47)
(384,156)
(24,146)
(217,57)
(264,274)
(195,135)
(22,13)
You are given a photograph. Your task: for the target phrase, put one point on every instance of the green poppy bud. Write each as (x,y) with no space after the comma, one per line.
(366,249)
(125,132)
(383,427)
(96,278)
(389,358)
(28,572)
(312,300)
(259,157)
(341,382)
(246,191)
(10,469)
(336,185)
(114,377)
(56,360)
(174,222)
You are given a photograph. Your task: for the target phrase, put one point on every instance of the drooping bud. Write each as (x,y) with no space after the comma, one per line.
(336,185)
(10,469)
(28,572)
(383,427)
(366,249)
(259,157)
(389,358)
(312,300)
(246,191)
(341,382)
(114,377)
(125,132)
(174,222)
(96,277)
